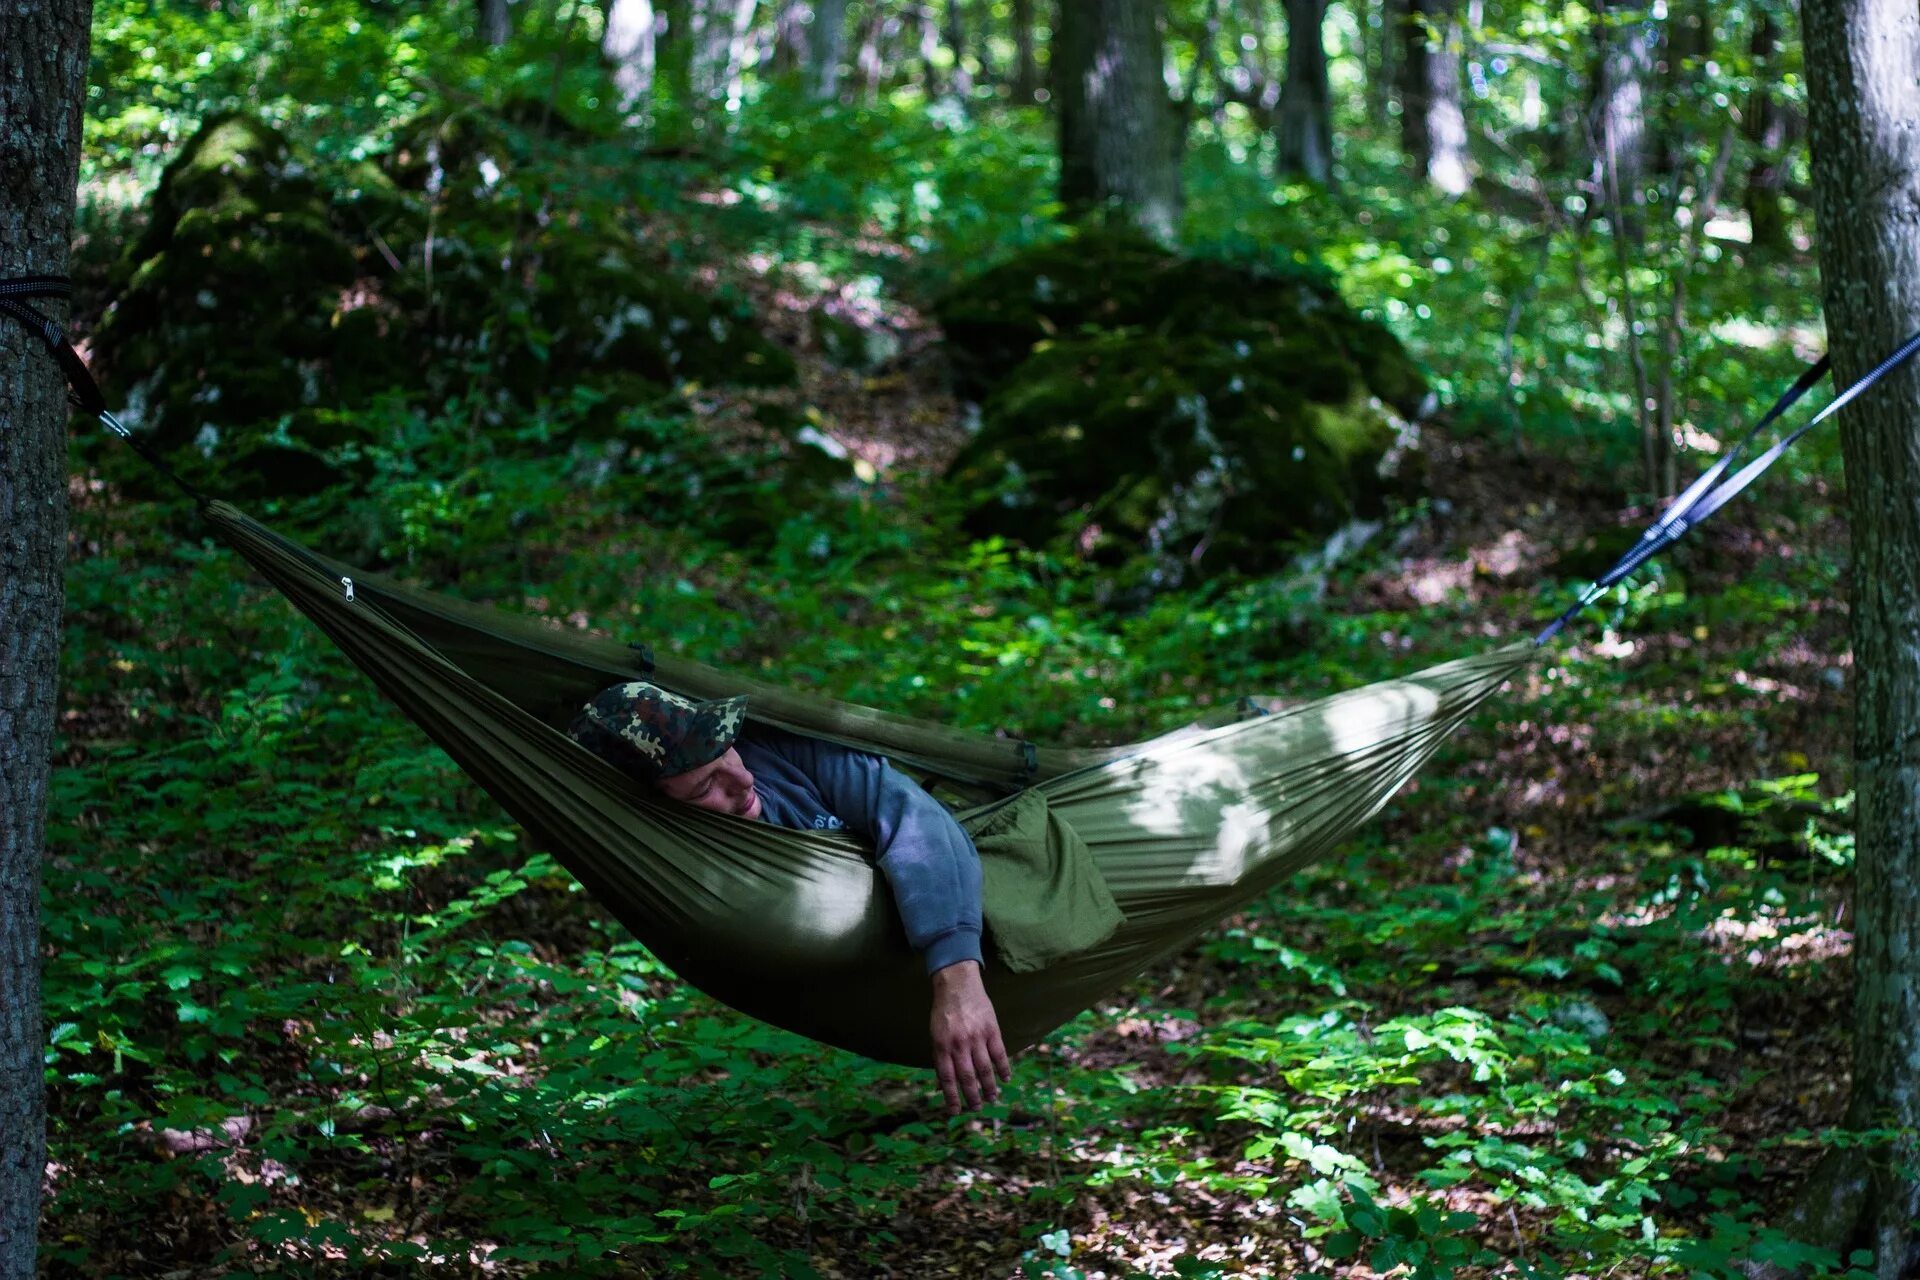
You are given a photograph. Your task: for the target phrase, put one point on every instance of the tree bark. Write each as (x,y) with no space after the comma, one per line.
(1026,61)
(627,44)
(790,38)
(717,32)
(496,24)
(1766,125)
(43,69)
(1117,138)
(1379,31)
(955,34)
(1863,101)
(1304,129)
(877,33)
(1433,123)
(826,48)
(1617,116)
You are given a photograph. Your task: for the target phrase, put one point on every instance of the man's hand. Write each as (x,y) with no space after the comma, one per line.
(968,1055)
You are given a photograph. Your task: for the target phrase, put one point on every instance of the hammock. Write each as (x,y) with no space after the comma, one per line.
(797,928)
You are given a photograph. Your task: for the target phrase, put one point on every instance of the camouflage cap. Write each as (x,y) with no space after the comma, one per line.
(646,730)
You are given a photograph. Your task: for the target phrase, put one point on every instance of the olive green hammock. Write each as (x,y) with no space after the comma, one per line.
(798,928)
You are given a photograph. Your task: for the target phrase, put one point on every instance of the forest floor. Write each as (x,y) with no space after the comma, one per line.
(1621,891)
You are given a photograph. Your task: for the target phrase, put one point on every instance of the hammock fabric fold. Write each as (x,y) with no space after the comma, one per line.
(797,928)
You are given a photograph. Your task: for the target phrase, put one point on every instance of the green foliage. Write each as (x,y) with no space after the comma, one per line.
(313,1008)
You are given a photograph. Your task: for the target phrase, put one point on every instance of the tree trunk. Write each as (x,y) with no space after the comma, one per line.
(1862,103)
(1685,47)
(826,47)
(1617,125)
(791,38)
(717,30)
(933,83)
(673,50)
(1766,126)
(956,38)
(1433,124)
(1026,62)
(1304,129)
(1379,34)
(628,46)
(878,32)
(496,24)
(43,70)
(1116,125)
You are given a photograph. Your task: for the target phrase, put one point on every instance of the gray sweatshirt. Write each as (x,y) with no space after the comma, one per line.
(928,860)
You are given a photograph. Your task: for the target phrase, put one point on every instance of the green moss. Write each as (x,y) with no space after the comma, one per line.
(258,293)
(1197,413)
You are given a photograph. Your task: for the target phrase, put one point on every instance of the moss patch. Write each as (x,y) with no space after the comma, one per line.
(262,299)
(1203,415)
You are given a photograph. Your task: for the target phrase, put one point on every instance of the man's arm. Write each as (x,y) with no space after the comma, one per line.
(934,871)
(928,860)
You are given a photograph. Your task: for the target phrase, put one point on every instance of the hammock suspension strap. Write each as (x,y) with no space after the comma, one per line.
(82,390)
(1710,491)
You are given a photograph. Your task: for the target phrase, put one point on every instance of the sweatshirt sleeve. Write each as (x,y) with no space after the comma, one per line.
(929,861)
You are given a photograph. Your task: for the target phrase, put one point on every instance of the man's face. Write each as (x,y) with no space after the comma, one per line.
(722,785)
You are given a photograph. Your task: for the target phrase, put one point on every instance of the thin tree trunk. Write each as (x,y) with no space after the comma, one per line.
(1026,62)
(1433,123)
(956,38)
(1117,141)
(980,30)
(877,33)
(1862,103)
(826,47)
(1766,126)
(1304,129)
(718,32)
(496,24)
(791,40)
(927,33)
(627,43)
(1617,116)
(673,50)
(1685,45)
(43,69)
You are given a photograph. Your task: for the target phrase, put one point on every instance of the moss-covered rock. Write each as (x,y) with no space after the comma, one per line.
(259,295)
(1203,414)
(228,311)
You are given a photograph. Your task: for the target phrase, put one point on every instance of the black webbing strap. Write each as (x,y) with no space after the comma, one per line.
(82,390)
(1711,491)
(1029,763)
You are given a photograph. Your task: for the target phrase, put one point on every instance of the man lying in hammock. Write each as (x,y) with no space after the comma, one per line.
(705,754)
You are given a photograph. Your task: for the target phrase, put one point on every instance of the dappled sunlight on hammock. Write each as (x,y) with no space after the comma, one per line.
(797,927)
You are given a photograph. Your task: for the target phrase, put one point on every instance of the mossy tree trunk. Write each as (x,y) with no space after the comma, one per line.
(1117,127)
(1863,101)
(43,67)
(1303,131)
